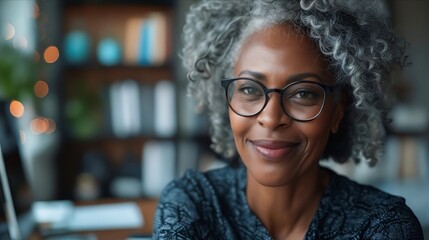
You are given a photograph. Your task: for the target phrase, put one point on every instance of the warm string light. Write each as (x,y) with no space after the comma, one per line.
(41,89)
(52,126)
(51,54)
(41,125)
(16,108)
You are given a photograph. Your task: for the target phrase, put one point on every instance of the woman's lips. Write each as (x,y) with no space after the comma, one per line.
(273,150)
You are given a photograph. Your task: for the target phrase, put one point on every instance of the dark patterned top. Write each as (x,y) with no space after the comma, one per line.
(213,205)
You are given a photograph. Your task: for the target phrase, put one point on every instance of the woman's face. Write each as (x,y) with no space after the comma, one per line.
(276,149)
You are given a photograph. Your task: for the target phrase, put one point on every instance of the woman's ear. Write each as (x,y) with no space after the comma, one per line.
(339,113)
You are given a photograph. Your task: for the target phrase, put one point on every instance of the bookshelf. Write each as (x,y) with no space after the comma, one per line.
(122,101)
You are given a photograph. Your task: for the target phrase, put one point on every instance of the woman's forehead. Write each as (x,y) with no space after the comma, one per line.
(281,50)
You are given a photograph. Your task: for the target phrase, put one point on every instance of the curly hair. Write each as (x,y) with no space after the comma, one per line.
(354,35)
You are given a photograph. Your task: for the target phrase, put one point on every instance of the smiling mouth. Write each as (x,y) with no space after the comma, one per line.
(274,150)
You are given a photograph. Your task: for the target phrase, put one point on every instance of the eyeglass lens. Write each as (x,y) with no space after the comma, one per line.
(301,101)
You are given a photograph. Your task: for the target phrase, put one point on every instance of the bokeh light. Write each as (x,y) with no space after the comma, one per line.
(39,125)
(16,108)
(20,43)
(41,89)
(52,126)
(51,54)
(10,31)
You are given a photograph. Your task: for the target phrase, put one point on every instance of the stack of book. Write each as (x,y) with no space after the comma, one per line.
(142,109)
(145,40)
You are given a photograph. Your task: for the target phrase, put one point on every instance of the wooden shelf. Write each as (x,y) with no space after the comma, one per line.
(91,86)
(118,73)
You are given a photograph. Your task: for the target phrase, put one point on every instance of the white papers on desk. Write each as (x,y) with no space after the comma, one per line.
(95,217)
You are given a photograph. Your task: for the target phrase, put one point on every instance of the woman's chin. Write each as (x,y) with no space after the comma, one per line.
(269,177)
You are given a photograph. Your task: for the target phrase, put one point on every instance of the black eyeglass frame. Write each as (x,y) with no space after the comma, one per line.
(326,89)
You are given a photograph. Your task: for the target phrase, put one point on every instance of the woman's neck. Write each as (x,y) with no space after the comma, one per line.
(287,211)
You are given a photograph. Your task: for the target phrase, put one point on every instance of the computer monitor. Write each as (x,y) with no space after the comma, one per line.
(18,214)
(15,193)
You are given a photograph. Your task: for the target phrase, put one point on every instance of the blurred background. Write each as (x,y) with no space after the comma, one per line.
(99,98)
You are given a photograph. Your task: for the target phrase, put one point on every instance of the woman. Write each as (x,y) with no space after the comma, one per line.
(287,83)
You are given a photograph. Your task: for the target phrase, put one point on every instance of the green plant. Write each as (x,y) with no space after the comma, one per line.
(17,73)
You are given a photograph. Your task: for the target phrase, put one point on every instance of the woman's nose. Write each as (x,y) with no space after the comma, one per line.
(273,116)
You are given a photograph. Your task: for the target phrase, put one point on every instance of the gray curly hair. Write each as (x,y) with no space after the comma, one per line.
(354,35)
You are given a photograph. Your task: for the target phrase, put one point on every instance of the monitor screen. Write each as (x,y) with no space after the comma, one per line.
(15,183)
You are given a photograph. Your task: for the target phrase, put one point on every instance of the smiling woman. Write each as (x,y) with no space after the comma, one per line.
(284,141)
(302,81)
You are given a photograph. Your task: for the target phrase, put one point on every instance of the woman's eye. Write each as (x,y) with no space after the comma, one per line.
(306,94)
(306,97)
(250,90)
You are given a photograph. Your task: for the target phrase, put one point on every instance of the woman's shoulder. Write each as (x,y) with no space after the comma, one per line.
(190,205)
(357,193)
(354,208)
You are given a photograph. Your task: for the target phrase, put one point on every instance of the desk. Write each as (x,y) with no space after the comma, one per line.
(147,208)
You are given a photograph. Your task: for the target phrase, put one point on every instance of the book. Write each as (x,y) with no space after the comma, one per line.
(132,40)
(125,108)
(151,40)
(165,109)
(131,107)
(160,39)
(145,49)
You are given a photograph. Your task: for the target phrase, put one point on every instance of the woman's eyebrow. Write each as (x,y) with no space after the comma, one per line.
(301,76)
(294,78)
(256,75)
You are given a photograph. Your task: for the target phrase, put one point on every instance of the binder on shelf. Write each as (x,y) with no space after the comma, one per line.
(125,108)
(165,109)
(158,166)
(131,107)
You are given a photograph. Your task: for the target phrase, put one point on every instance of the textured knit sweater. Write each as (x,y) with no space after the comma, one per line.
(213,205)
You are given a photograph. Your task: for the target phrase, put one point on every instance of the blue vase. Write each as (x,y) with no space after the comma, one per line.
(76,47)
(109,52)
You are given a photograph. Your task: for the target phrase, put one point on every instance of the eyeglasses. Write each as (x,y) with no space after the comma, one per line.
(302,101)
